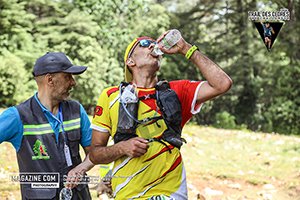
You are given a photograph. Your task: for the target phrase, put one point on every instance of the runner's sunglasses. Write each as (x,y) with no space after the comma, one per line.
(146,43)
(141,43)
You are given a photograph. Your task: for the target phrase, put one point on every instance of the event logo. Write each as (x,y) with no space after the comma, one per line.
(269,24)
(40,151)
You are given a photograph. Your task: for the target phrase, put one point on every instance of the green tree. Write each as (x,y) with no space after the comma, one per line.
(265,94)
(14,80)
(15,23)
(95,33)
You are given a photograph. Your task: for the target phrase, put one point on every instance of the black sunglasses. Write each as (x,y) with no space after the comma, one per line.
(146,43)
(142,43)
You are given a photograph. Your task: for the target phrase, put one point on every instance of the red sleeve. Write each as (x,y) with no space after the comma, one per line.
(186,91)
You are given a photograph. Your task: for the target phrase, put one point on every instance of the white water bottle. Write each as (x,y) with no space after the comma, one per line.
(167,42)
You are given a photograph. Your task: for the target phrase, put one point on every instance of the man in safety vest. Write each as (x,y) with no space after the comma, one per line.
(47,129)
(145,118)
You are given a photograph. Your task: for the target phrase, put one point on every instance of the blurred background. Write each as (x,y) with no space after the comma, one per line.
(265,95)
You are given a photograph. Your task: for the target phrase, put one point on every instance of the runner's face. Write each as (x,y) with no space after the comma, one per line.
(143,57)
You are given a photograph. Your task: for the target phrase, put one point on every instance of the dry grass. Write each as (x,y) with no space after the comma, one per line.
(220,165)
(226,164)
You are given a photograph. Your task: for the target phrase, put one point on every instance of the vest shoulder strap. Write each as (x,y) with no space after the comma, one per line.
(162,85)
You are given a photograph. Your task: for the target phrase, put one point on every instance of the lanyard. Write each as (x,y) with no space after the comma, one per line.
(60,116)
(66,148)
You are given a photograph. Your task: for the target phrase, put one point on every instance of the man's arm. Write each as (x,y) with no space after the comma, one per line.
(272,30)
(218,82)
(77,172)
(86,165)
(11,127)
(86,132)
(103,154)
(263,25)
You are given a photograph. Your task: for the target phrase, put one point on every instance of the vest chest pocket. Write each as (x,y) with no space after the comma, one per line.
(74,141)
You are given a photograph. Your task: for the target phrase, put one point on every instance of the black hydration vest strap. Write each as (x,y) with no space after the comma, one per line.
(168,103)
(160,141)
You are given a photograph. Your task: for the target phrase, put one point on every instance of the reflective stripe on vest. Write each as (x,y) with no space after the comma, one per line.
(40,129)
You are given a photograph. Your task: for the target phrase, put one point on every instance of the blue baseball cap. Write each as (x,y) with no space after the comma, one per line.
(53,62)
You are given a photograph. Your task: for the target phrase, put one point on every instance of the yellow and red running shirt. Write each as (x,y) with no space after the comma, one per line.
(158,172)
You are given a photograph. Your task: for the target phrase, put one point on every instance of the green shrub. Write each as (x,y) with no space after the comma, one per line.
(225,120)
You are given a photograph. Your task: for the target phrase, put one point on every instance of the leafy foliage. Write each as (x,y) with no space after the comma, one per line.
(265,94)
(14,80)
(95,33)
(225,120)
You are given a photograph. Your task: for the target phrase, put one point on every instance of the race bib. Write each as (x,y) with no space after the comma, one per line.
(161,197)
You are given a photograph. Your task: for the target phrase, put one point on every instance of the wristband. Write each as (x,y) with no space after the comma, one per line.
(190,52)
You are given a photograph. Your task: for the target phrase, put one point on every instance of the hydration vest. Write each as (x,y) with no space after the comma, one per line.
(40,153)
(170,106)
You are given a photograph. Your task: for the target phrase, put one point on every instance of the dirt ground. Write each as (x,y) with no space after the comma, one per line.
(211,188)
(216,184)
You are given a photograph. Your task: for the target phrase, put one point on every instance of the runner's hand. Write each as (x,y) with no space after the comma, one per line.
(135,147)
(181,47)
